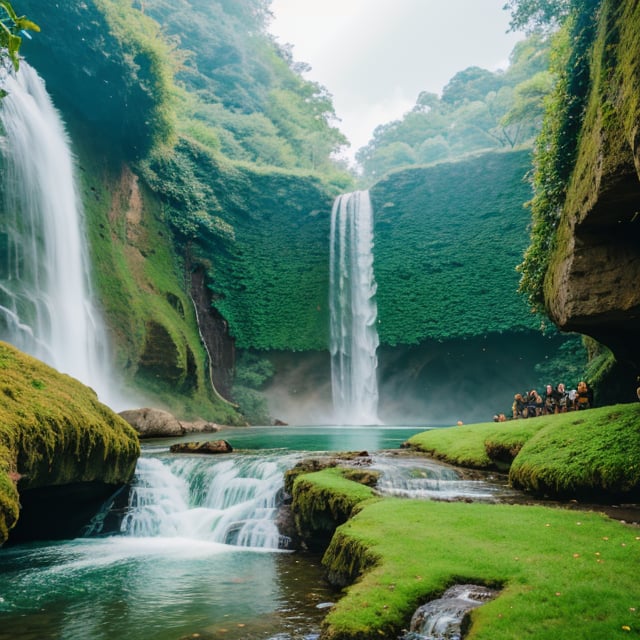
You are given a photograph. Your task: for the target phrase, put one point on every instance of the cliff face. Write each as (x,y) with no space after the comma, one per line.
(592,283)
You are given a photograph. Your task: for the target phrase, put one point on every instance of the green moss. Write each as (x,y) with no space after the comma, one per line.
(466,445)
(563,575)
(461,228)
(583,454)
(141,284)
(322,500)
(591,454)
(55,432)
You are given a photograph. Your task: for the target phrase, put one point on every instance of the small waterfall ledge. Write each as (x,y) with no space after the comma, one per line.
(353,311)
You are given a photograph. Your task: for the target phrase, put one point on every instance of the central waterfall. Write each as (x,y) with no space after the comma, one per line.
(46,308)
(353,311)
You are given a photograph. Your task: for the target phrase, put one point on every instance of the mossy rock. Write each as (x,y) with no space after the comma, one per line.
(54,432)
(324,500)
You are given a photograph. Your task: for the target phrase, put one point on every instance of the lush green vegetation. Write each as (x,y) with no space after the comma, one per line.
(270,286)
(479,111)
(576,454)
(557,144)
(563,574)
(462,230)
(53,430)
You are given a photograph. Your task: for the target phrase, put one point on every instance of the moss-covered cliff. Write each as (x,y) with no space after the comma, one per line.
(447,241)
(591,283)
(55,433)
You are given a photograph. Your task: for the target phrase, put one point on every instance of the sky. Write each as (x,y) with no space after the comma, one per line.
(376,56)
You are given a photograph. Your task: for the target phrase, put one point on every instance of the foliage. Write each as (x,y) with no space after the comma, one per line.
(251,374)
(141,285)
(11,26)
(109,65)
(561,575)
(537,15)
(282,278)
(556,146)
(461,229)
(479,110)
(53,430)
(244,90)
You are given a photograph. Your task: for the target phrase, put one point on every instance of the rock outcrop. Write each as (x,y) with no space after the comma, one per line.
(62,452)
(592,283)
(153,423)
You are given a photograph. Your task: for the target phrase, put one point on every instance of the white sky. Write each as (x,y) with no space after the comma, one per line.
(376,56)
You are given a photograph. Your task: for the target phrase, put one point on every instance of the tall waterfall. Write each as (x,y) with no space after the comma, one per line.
(45,298)
(353,311)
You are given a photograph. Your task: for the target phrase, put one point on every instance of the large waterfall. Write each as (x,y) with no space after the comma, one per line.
(354,337)
(45,298)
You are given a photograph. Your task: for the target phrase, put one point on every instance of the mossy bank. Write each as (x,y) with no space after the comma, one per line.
(591,454)
(55,434)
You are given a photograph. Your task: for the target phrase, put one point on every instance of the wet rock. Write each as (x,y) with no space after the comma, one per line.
(212,446)
(153,423)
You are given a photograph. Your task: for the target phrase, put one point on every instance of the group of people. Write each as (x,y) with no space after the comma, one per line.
(554,400)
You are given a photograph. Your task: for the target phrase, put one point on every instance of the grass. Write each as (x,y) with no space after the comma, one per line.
(563,575)
(594,453)
(466,445)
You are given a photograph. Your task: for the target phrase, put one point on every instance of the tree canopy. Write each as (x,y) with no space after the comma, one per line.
(479,110)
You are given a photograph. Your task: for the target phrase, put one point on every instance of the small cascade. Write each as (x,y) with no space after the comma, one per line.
(443,619)
(46,305)
(428,480)
(353,311)
(232,501)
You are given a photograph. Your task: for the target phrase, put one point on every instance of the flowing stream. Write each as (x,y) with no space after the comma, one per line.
(198,550)
(353,311)
(46,306)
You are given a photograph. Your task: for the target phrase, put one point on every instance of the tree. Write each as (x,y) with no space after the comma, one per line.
(537,15)
(12,26)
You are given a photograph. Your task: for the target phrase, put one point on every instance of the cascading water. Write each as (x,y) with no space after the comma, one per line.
(45,300)
(353,311)
(232,501)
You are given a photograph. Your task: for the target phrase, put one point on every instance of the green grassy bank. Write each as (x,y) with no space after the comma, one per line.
(594,453)
(563,575)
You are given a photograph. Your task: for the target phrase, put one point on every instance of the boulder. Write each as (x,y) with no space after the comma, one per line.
(212,446)
(153,423)
(200,426)
(62,452)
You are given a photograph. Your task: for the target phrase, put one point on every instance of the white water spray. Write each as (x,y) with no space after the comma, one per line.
(352,305)
(231,501)
(46,305)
